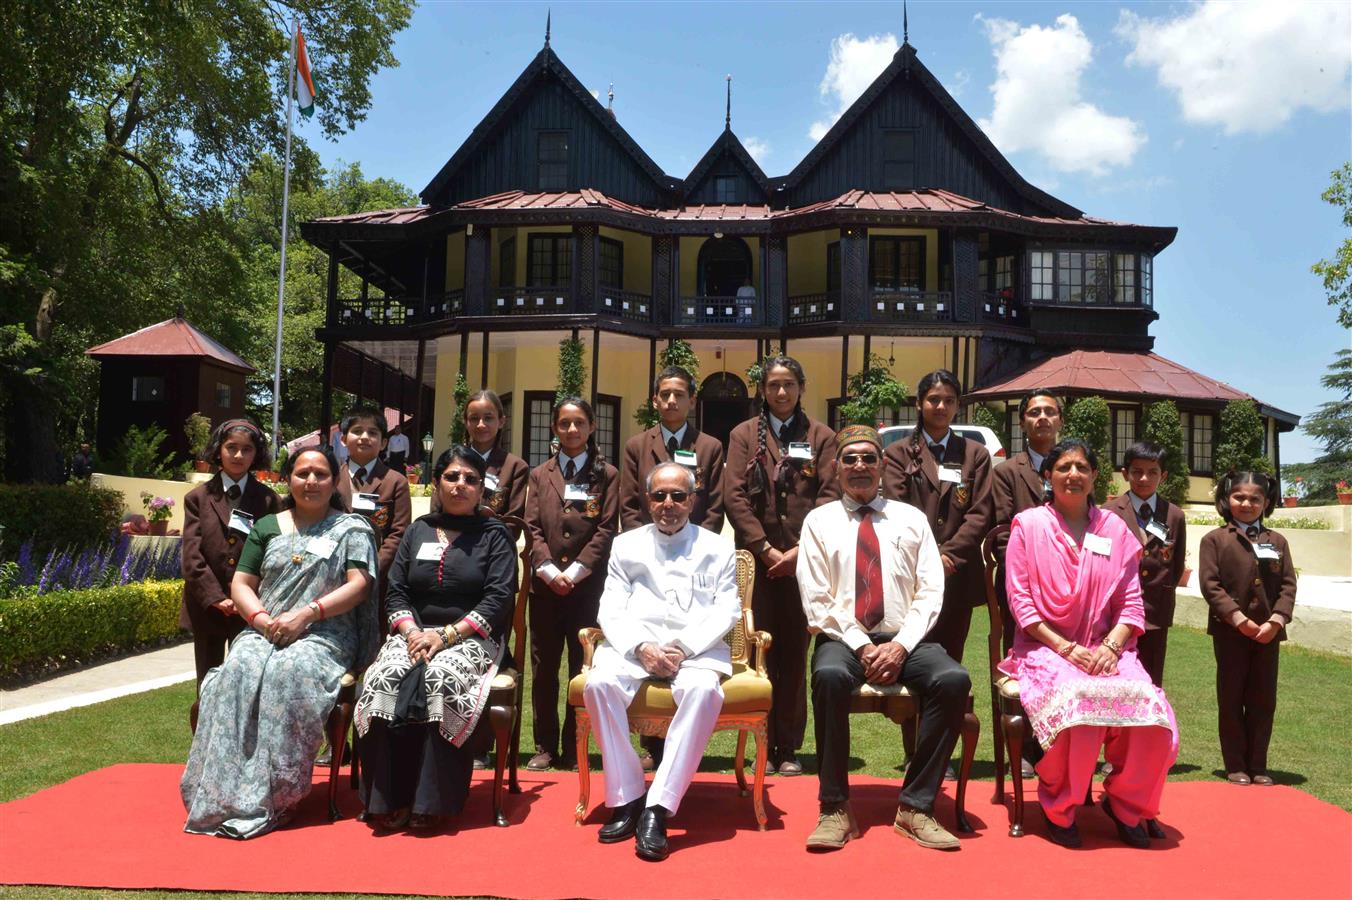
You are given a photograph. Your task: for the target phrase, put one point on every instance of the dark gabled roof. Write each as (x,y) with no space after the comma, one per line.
(728,143)
(905,63)
(545,64)
(172,337)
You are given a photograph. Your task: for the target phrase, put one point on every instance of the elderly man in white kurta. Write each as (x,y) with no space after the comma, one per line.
(670,599)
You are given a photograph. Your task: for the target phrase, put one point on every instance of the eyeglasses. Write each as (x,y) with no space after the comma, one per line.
(661,496)
(470,479)
(854,459)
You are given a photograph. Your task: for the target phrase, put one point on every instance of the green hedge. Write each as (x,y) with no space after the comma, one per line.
(56,515)
(66,627)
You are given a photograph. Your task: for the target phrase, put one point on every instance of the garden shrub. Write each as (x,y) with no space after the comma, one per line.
(1087,419)
(64,628)
(56,516)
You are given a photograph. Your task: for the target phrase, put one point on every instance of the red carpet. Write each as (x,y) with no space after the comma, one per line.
(121,827)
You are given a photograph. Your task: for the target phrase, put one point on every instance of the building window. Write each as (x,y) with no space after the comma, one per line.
(550,260)
(552,161)
(726,188)
(1040,272)
(505,429)
(833,267)
(147,388)
(899,160)
(507,262)
(1004,273)
(887,416)
(1124,433)
(897,263)
(1124,279)
(1082,276)
(535,442)
(222,395)
(608,426)
(1015,430)
(1147,280)
(610,269)
(1203,427)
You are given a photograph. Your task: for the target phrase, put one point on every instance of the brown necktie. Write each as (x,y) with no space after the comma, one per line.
(868,574)
(672,446)
(233,493)
(570,471)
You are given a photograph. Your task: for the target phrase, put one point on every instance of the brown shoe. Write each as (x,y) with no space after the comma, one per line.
(1237,778)
(791,766)
(923,829)
(540,761)
(835,827)
(1264,779)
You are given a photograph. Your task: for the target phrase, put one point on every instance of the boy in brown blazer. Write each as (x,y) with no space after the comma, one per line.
(1163,532)
(369,487)
(675,439)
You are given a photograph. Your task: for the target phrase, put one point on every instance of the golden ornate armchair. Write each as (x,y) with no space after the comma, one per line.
(746,699)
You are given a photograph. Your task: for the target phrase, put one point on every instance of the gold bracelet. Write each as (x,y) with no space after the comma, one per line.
(1114,646)
(1065,652)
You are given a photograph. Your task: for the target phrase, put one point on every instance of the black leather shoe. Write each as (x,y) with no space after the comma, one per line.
(651,838)
(623,821)
(1067,836)
(1132,836)
(1152,828)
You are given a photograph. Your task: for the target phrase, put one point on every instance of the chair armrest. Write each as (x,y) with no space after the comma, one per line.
(589,638)
(760,642)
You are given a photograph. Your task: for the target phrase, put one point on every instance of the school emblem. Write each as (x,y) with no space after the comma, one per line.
(1167,553)
(380,516)
(699,480)
(593,510)
(497,501)
(810,468)
(962,494)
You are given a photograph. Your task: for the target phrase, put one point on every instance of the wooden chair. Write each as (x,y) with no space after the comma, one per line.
(746,699)
(1007,713)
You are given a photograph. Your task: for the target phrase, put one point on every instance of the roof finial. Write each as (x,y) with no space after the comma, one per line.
(905,25)
(610,96)
(727,116)
(548,15)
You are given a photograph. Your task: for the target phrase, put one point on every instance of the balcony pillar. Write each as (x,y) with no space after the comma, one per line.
(665,273)
(775,276)
(585,253)
(478,257)
(854,287)
(967,297)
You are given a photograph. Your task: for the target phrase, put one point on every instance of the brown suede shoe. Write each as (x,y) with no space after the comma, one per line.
(835,827)
(1237,778)
(540,761)
(1263,779)
(923,829)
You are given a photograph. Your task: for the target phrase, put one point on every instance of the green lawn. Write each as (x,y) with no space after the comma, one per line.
(1310,747)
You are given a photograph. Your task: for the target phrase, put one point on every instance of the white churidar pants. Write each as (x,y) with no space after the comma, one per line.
(699,699)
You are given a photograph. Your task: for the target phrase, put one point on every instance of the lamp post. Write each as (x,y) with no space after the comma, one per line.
(427,443)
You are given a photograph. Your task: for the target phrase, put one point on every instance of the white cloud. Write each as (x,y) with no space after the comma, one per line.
(855,62)
(759,149)
(960,81)
(1247,66)
(1038,103)
(596,95)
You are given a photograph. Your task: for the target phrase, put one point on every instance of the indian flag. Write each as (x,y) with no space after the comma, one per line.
(305,86)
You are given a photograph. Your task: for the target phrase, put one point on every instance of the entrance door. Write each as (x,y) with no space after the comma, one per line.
(723,405)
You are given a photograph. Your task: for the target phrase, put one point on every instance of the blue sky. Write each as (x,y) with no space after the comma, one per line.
(1222,120)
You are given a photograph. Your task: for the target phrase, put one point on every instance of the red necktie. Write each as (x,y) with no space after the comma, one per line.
(868,574)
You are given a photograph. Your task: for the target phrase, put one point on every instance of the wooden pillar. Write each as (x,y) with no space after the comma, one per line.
(868,347)
(652,359)
(326,392)
(415,440)
(854,292)
(596,359)
(464,352)
(478,257)
(845,364)
(954,367)
(483,370)
(585,251)
(331,313)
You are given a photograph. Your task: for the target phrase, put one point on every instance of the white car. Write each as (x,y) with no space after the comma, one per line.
(979,433)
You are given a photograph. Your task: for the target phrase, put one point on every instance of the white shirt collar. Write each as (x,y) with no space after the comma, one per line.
(852,506)
(227,482)
(353,466)
(778,424)
(1153,502)
(578,461)
(1244,527)
(943,443)
(679,434)
(1036,459)
(481,454)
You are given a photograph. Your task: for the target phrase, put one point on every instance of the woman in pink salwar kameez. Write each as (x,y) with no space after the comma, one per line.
(1071,574)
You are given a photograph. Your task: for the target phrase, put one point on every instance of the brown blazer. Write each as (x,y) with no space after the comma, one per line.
(210,551)
(1161,563)
(394,509)
(959,514)
(764,508)
(510,497)
(1236,584)
(1016,486)
(643,452)
(563,532)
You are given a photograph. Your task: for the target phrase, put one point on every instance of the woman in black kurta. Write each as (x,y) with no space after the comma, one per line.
(451,595)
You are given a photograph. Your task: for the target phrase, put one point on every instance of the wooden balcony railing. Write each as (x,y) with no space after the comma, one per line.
(911,306)
(1000,306)
(718,311)
(399,310)
(807,308)
(625,304)
(530,301)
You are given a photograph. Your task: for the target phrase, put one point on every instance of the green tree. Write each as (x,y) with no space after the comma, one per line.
(983,415)
(459,430)
(1337,270)
(871,389)
(1087,419)
(1163,426)
(1240,442)
(676,353)
(571,374)
(1331,426)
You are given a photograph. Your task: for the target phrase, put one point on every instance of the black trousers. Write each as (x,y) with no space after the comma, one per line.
(940,687)
(779,610)
(1246,700)
(1150,648)
(554,624)
(208,648)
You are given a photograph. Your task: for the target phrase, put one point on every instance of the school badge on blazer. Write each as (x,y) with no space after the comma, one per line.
(699,480)
(497,501)
(593,508)
(1167,552)
(810,468)
(381,515)
(962,494)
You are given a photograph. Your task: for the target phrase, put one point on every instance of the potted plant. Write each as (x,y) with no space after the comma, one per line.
(197,429)
(158,510)
(1344,493)
(411,473)
(1292,495)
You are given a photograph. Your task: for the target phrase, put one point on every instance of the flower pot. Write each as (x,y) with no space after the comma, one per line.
(1185,577)
(1345,499)
(159,528)
(1290,502)
(201,465)
(412,479)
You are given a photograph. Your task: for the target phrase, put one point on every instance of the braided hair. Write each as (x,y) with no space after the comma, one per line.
(928,383)
(1233,479)
(598,462)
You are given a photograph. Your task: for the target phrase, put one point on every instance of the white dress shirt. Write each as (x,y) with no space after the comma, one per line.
(662,588)
(398,443)
(913,573)
(678,434)
(1153,503)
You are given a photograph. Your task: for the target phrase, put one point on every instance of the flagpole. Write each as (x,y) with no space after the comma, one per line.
(281,277)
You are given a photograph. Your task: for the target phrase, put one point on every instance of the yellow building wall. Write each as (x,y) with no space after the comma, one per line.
(931,237)
(455,261)
(638,258)
(689,252)
(807,261)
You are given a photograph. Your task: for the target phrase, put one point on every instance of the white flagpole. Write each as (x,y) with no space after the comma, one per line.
(281,278)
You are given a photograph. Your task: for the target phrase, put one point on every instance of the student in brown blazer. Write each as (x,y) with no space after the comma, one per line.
(386,502)
(674,439)
(948,478)
(572,511)
(217,517)
(1163,532)
(507,474)
(781,466)
(1249,580)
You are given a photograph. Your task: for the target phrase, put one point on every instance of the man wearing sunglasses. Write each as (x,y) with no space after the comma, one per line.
(670,598)
(872,584)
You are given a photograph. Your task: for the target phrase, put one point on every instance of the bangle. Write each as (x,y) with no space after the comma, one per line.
(450,636)
(256,615)
(394,626)
(319,608)
(1068,649)
(1114,646)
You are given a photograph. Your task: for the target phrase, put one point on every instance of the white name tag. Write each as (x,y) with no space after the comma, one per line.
(1156,529)
(952,476)
(1097,543)
(431,550)
(1266,551)
(321,546)
(362,502)
(575,492)
(241,521)
(686,458)
(800,450)
(490,483)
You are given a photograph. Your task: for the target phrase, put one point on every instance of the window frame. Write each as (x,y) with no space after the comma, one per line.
(1127,280)
(1014,427)
(505,431)
(604,244)
(556,238)
(556,178)
(507,263)
(894,244)
(727,188)
(833,270)
(609,449)
(1118,442)
(896,161)
(148,382)
(529,399)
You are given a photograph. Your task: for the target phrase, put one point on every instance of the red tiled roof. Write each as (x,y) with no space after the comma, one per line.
(172,337)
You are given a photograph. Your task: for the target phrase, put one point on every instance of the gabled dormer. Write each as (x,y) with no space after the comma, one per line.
(906,132)
(548,133)
(727,173)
